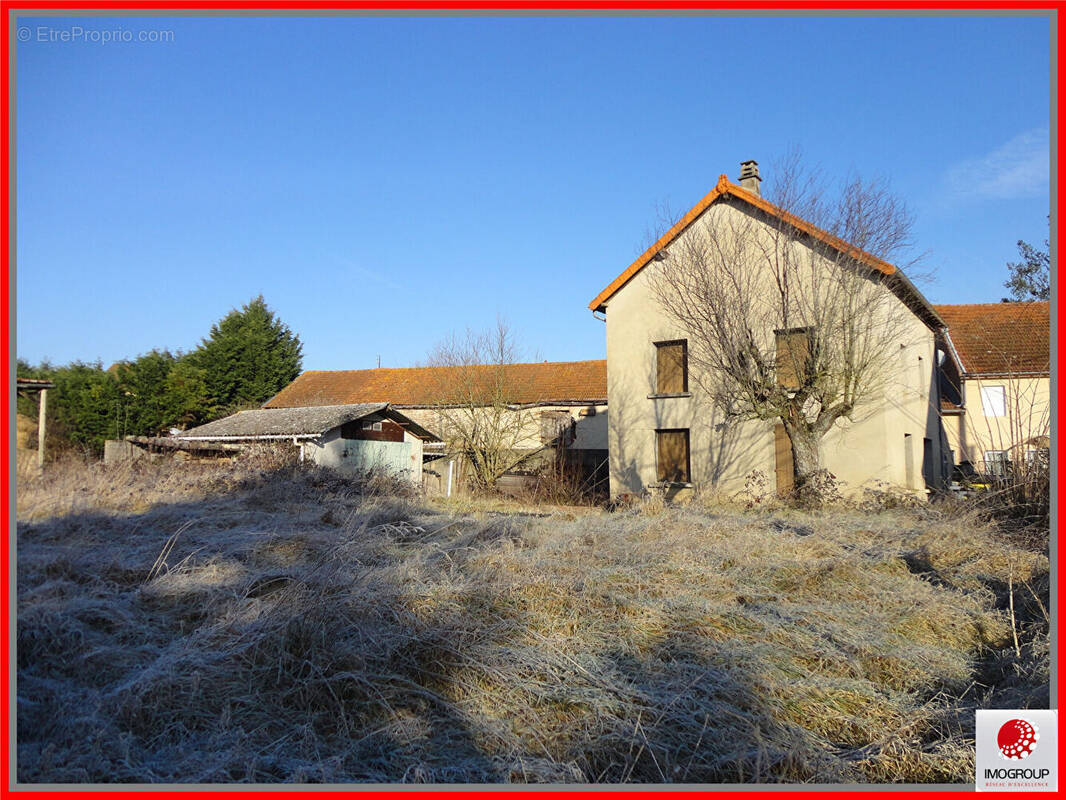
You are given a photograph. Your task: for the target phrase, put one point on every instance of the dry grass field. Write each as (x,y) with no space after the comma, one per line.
(216,623)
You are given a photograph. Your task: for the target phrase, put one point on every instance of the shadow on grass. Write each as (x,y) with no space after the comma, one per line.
(291,627)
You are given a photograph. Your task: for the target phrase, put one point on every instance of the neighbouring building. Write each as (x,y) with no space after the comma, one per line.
(667,432)
(553,407)
(351,438)
(30,387)
(996,395)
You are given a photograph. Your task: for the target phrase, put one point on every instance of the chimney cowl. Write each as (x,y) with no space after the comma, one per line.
(749,176)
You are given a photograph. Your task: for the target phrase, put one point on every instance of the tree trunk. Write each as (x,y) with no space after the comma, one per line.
(806,456)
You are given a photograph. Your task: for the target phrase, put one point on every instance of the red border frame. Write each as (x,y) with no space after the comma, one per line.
(6,6)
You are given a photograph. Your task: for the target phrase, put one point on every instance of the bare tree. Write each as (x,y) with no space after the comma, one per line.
(787,321)
(478,412)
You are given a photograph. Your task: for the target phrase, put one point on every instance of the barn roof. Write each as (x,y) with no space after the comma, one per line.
(281,423)
(545,382)
(1000,338)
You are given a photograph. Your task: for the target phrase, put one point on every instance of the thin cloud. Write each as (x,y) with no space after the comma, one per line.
(368,274)
(1019,168)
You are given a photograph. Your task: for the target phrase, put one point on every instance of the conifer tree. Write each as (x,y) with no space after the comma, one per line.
(249,357)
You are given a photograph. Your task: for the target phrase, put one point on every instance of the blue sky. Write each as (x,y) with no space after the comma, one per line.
(383,182)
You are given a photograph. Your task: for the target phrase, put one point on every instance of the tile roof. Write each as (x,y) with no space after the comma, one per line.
(1000,338)
(725,187)
(282,422)
(546,382)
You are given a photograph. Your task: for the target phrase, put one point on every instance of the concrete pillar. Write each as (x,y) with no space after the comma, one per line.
(42,427)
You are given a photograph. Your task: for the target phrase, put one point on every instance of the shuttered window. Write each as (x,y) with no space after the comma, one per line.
(671,367)
(673,460)
(783,461)
(793,349)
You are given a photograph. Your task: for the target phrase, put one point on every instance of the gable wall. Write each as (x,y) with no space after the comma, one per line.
(872,447)
(1028,415)
(352,456)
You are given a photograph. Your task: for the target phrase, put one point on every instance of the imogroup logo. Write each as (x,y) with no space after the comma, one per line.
(1026,741)
(1017,739)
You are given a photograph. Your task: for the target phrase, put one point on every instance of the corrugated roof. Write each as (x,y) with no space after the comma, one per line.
(1000,338)
(549,381)
(724,187)
(33,383)
(261,422)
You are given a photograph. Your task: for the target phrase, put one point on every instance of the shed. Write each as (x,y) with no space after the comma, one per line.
(349,438)
(28,386)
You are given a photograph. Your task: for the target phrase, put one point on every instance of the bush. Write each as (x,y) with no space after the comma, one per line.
(881,496)
(821,489)
(1020,499)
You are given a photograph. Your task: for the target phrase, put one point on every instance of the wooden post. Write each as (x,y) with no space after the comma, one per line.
(42,427)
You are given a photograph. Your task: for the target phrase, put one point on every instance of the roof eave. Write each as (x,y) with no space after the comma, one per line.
(248,437)
(599,303)
(724,187)
(954,352)
(1043,373)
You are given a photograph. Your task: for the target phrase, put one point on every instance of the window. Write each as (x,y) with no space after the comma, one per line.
(671,367)
(793,350)
(996,462)
(673,459)
(556,427)
(1037,457)
(993,402)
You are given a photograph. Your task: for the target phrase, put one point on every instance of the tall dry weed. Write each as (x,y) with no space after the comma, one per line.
(225,622)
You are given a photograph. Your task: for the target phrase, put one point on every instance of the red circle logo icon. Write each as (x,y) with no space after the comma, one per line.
(1017,739)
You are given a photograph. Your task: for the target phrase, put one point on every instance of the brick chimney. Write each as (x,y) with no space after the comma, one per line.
(749,176)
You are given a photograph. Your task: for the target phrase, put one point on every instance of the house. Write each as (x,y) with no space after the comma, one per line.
(546,404)
(996,394)
(667,430)
(350,438)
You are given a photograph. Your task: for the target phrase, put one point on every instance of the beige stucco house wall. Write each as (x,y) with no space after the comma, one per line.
(587,441)
(895,435)
(979,428)
(997,382)
(589,424)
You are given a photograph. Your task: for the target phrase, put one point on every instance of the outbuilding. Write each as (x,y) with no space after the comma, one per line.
(350,438)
